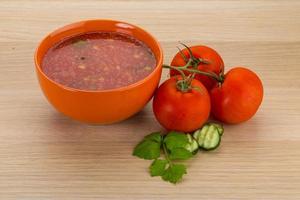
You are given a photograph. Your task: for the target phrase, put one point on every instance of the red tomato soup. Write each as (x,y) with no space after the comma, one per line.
(98,61)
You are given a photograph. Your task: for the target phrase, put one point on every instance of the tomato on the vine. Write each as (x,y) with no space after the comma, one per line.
(239,96)
(181,107)
(209,61)
(234,97)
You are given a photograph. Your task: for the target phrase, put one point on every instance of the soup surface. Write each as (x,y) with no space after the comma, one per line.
(98,61)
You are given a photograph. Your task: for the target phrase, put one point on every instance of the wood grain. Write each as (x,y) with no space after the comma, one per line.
(44,155)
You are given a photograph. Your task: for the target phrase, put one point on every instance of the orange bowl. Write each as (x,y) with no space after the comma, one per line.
(104,106)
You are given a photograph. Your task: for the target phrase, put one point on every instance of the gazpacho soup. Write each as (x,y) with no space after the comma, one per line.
(98,61)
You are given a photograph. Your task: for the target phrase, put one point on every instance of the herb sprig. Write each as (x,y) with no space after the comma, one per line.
(166,150)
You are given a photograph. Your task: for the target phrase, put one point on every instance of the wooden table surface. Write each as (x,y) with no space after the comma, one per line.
(44,155)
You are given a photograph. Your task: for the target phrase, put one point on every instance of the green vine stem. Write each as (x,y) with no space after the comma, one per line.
(167,154)
(181,70)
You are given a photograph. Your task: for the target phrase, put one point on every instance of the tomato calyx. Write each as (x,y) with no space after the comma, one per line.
(194,61)
(185,84)
(221,78)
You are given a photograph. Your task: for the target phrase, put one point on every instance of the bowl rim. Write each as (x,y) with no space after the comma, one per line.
(158,66)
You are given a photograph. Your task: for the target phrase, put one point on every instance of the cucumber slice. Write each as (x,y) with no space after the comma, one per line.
(192,145)
(199,134)
(218,126)
(208,137)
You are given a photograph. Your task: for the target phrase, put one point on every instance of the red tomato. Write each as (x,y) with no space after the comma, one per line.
(181,111)
(239,96)
(215,65)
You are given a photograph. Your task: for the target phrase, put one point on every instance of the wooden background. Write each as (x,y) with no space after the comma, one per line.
(44,155)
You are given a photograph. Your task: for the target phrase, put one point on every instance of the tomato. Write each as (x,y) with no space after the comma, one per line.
(178,110)
(239,96)
(215,64)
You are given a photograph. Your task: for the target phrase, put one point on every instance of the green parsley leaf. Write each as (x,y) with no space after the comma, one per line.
(175,140)
(174,173)
(147,149)
(154,136)
(158,167)
(180,154)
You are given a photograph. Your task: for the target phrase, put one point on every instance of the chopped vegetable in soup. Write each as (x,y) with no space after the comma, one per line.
(98,61)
